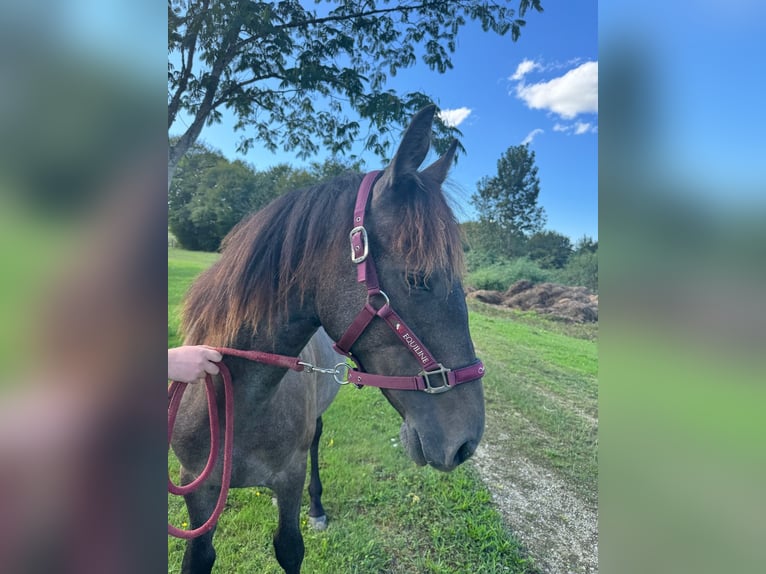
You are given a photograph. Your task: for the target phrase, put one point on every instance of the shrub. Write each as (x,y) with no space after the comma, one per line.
(550,249)
(499,276)
(476,259)
(581,270)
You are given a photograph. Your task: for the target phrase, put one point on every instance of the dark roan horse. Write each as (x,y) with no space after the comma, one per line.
(284,272)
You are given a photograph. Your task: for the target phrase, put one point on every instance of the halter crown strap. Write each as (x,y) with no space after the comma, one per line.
(360,247)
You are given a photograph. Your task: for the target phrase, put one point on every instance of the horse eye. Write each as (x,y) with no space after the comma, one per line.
(418,281)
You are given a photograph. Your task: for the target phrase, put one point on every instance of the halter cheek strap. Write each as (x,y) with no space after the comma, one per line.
(434,377)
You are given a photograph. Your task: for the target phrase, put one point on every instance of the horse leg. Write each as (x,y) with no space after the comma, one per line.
(288,541)
(317,516)
(200,554)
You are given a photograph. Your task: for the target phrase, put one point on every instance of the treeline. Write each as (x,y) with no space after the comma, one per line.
(209,195)
(495,261)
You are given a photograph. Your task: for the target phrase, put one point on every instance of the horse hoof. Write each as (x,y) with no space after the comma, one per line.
(318,522)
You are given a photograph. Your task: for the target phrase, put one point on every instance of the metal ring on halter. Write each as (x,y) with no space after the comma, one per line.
(340,377)
(382,294)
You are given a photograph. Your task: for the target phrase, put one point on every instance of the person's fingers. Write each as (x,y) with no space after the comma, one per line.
(216,357)
(213,355)
(212,368)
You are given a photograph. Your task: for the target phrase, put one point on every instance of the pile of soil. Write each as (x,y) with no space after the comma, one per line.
(573,304)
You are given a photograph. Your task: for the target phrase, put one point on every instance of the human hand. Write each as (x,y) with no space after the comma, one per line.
(191,363)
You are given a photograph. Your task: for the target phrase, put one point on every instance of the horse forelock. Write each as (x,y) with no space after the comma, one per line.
(427,235)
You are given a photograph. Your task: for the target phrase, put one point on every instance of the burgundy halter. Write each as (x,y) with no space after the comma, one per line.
(434,378)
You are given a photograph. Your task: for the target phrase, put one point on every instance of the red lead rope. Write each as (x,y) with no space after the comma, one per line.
(175,393)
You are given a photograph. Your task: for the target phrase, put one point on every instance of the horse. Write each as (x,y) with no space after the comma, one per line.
(283,273)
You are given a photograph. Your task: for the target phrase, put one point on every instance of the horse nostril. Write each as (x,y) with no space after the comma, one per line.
(465,452)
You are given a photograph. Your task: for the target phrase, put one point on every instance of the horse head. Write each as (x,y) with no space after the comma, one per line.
(413,242)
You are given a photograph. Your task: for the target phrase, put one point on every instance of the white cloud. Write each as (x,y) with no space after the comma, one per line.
(574,93)
(524,68)
(453,118)
(577,128)
(531,135)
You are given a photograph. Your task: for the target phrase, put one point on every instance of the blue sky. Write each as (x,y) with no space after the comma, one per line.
(542,89)
(703,82)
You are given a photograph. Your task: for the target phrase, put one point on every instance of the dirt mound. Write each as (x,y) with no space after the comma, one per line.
(575,304)
(491,297)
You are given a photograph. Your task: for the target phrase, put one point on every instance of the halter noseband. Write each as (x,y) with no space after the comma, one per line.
(434,377)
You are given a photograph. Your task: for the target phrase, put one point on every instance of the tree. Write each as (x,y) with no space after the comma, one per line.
(210,194)
(284,177)
(291,75)
(550,249)
(586,244)
(183,190)
(509,199)
(488,243)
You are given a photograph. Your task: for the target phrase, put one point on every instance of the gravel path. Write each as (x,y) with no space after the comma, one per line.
(556,527)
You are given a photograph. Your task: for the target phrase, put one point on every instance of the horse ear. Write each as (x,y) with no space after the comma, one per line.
(438,170)
(416,142)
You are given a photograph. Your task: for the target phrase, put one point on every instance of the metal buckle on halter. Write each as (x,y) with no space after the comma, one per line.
(429,387)
(355,257)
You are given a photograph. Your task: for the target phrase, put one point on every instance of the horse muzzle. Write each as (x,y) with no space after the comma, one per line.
(443,455)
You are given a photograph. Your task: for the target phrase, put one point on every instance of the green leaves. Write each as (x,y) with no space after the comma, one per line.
(276,64)
(550,249)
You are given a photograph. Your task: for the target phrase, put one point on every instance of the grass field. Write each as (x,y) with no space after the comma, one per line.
(541,388)
(386,514)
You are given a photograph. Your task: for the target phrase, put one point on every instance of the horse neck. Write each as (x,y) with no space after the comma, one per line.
(288,338)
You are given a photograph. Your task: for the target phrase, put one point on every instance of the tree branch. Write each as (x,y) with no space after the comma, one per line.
(186,64)
(224,98)
(212,81)
(344,17)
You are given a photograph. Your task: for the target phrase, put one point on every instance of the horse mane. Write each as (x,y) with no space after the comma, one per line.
(277,253)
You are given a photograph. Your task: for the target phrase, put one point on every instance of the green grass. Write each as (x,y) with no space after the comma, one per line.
(388,515)
(541,389)
(183,267)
